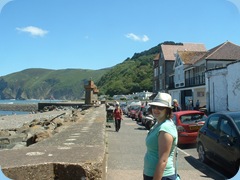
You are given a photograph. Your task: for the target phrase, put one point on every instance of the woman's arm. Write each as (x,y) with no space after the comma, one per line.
(164,146)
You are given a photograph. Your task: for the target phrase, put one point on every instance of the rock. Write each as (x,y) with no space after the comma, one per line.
(39,128)
(4,133)
(42,135)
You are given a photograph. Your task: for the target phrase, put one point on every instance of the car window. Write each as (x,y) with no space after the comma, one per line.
(238,123)
(213,123)
(135,107)
(236,118)
(190,118)
(225,128)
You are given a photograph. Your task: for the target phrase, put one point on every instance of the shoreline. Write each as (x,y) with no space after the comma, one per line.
(19,107)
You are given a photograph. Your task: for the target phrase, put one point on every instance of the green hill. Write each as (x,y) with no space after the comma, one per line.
(45,83)
(132,75)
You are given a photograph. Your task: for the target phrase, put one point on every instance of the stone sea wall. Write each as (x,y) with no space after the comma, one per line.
(19,107)
(59,144)
(18,131)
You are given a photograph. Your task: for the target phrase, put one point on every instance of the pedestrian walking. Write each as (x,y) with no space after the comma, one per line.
(117,114)
(161,141)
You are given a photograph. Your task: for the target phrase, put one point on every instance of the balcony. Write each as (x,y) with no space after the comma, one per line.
(195,81)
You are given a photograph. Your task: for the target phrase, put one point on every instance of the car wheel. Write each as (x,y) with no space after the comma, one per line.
(201,153)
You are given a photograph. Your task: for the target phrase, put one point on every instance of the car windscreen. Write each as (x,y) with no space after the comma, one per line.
(192,118)
(135,108)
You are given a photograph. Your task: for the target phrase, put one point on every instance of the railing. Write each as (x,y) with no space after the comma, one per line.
(195,81)
(189,82)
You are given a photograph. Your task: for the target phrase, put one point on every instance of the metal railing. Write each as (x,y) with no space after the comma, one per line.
(189,82)
(195,81)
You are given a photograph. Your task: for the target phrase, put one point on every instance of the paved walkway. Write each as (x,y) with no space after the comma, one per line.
(74,153)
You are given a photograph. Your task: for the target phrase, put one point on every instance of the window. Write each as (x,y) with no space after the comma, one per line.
(225,128)
(160,70)
(192,118)
(212,123)
(155,72)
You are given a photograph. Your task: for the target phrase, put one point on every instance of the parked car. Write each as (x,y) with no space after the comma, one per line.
(134,112)
(188,123)
(133,109)
(219,140)
(123,106)
(147,119)
(144,114)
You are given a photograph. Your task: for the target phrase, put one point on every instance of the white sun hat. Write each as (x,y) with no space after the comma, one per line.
(163,100)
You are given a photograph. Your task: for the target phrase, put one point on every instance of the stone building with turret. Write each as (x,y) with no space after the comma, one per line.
(91,93)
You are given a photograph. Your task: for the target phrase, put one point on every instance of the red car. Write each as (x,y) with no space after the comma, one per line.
(134,112)
(188,124)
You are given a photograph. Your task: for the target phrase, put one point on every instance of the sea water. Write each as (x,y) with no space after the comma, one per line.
(13,101)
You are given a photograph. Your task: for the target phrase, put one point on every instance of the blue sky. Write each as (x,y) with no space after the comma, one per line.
(94,34)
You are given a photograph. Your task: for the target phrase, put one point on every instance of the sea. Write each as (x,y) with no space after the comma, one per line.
(13,101)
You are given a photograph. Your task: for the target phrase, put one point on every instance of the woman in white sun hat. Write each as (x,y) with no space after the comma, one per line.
(161,141)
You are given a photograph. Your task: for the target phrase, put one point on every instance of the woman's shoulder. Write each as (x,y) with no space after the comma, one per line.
(168,124)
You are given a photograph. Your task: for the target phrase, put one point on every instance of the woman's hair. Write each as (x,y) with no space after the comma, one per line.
(150,110)
(168,113)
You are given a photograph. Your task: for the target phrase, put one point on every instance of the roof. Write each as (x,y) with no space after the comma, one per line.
(169,51)
(156,57)
(230,113)
(224,51)
(190,57)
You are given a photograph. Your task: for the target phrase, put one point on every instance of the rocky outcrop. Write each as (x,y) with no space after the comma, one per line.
(37,130)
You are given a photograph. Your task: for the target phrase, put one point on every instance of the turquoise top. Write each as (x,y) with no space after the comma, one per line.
(151,156)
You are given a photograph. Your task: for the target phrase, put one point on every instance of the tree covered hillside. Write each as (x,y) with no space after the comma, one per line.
(133,75)
(45,83)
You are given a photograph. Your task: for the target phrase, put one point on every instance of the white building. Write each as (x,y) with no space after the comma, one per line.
(187,83)
(223,88)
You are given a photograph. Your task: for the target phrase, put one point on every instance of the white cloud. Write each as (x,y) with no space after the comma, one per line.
(134,37)
(34,31)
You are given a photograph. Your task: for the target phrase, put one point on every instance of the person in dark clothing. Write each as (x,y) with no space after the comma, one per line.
(176,106)
(117,114)
(197,105)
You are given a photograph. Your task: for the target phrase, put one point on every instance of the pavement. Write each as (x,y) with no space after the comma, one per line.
(126,150)
(77,152)
(87,150)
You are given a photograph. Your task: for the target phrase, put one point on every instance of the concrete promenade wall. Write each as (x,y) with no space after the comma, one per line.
(76,152)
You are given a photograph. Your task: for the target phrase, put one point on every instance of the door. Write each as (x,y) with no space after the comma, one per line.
(225,153)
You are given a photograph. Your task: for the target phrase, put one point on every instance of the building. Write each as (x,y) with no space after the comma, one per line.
(91,93)
(164,61)
(188,81)
(223,88)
